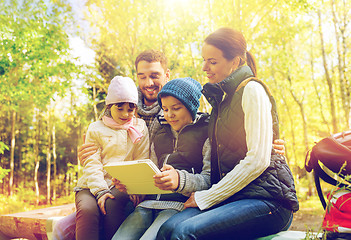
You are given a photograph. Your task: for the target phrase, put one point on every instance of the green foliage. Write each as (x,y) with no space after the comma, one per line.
(3,147)
(33,46)
(3,173)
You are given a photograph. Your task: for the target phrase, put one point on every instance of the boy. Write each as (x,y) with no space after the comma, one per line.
(180,147)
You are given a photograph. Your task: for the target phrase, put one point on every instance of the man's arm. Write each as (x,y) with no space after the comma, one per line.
(279,147)
(85,151)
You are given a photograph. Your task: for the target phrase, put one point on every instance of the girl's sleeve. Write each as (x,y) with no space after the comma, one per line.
(189,182)
(259,135)
(142,147)
(93,169)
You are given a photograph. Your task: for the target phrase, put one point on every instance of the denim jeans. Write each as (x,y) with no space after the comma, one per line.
(65,228)
(143,224)
(243,219)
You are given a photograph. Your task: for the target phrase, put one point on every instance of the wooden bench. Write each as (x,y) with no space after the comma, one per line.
(290,235)
(36,224)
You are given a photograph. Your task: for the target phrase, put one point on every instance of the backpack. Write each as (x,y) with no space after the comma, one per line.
(333,153)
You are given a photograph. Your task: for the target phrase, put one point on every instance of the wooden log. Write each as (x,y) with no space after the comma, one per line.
(31,224)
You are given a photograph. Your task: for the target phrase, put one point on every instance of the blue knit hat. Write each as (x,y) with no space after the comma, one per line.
(186,90)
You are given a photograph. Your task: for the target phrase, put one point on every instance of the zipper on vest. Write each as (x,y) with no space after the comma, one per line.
(219,108)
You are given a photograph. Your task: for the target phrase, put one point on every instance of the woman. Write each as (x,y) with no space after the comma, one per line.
(253,192)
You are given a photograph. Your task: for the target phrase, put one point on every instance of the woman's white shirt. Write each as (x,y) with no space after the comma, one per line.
(259,136)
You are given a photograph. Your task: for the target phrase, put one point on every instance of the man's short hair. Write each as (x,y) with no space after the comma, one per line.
(152,56)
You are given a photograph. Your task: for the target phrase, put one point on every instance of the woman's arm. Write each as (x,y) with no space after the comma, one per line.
(259,135)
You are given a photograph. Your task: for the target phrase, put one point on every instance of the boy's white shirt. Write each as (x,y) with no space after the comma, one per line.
(114,146)
(259,136)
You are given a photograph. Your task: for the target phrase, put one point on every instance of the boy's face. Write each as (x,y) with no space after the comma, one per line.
(176,114)
(122,113)
(151,78)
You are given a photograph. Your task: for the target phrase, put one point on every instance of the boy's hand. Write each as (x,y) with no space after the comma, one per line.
(279,146)
(190,202)
(119,185)
(168,179)
(136,199)
(102,200)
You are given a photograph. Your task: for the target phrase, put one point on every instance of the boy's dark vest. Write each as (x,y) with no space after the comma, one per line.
(228,144)
(184,153)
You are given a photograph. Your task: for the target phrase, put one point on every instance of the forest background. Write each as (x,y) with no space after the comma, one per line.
(49,94)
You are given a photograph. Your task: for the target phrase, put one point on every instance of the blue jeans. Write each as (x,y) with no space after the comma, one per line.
(65,228)
(143,223)
(243,219)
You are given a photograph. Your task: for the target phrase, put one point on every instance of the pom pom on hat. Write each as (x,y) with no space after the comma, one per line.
(186,90)
(121,89)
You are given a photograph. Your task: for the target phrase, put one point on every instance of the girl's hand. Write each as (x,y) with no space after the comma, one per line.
(119,185)
(102,200)
(279,146)
(168,179)
(190,202)
(136,199)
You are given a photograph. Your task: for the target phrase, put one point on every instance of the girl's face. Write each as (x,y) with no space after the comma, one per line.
(215,65)
(122,113)
(176,114)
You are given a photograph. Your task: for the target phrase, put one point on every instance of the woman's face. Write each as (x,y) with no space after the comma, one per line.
(215,65)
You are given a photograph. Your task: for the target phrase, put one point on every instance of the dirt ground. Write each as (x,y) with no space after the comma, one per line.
(303,221)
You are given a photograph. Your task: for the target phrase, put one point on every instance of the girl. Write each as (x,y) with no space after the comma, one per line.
(94,191)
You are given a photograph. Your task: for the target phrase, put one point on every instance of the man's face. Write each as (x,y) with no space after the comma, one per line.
(151,77)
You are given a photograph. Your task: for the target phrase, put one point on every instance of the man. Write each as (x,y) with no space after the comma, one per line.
(152,74)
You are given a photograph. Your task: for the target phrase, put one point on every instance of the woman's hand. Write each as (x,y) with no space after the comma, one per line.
(102,200)
(279,146)
(119,185)
(168,179)
(190,202)
(85,151)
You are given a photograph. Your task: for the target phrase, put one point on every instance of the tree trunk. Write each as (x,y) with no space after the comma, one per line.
(316,88)
(48,159)
(94,105)
(12,156)
(54,157)
(327,76)
(305,132)
(340,34)
(37,163)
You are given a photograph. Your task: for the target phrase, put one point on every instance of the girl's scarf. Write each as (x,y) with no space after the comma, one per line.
(133,133)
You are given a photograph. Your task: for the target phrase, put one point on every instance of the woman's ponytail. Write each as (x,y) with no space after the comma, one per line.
(251,63)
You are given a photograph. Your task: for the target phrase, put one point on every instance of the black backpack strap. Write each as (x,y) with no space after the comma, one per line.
(319,173)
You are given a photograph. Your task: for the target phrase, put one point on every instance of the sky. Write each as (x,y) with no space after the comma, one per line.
(79,47)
